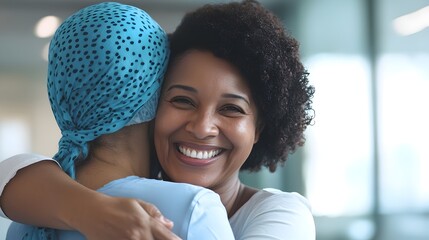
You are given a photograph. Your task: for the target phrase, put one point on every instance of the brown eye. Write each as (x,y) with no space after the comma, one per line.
(182,102)
(232,109)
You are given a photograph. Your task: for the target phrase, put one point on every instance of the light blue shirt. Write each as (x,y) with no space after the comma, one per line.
(197,212)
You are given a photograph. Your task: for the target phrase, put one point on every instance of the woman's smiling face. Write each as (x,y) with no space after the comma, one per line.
(206,121)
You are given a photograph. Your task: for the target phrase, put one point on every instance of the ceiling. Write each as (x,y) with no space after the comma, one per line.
(20,48)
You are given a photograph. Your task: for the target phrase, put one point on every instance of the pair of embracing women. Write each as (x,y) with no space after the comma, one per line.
(229,93)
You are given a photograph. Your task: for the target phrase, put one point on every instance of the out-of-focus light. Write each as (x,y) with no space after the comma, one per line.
(45,52)
(413,22)
(46,26)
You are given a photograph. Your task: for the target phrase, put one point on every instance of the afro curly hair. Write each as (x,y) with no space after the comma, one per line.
(254,40)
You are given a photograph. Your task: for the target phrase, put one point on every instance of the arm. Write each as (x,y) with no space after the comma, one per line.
(10,166)
(42,194)
(27,187)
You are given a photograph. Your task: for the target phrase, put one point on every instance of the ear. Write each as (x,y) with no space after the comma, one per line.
(259,128)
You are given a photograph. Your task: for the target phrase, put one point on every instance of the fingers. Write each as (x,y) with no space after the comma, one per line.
(154,212)
(161,227)
(159,232)
(151,209)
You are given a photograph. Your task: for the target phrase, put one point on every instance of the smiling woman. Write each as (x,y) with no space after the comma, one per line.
(234,101)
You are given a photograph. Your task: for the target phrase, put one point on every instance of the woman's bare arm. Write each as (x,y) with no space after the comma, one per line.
(43,195)
(37,196)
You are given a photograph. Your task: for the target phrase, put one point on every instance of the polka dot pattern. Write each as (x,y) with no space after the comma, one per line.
(106,65)
(105,62)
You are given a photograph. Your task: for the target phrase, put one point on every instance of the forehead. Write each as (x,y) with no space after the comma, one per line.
(203,68)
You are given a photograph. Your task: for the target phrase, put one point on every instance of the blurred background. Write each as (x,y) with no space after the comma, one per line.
(365,165)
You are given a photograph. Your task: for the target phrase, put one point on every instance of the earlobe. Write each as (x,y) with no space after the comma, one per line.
(258,130)
(256,139)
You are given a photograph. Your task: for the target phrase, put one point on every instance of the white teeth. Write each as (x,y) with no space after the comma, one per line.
(198,154)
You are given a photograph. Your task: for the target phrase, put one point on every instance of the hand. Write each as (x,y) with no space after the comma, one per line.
(123,218)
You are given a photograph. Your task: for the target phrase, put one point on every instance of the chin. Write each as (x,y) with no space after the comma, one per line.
(194,180)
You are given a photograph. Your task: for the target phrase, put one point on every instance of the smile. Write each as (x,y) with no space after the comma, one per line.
(192,153)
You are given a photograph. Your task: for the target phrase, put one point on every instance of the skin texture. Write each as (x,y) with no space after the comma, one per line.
(116,155)
(206,106)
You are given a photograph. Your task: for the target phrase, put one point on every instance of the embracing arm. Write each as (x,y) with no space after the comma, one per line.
(42,194)
(36,195)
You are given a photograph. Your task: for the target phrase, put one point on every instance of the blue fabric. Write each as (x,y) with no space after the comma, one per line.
(105,62)
(197,212)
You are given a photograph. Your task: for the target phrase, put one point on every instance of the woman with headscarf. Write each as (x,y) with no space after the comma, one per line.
(106,65)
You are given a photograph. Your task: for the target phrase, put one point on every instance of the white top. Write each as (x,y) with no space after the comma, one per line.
(197,212)
(272,214)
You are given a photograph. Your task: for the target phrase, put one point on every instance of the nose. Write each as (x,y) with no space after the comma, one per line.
(202,125)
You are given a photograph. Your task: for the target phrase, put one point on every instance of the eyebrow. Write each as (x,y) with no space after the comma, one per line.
(191,89)
(187,88)
(230,95)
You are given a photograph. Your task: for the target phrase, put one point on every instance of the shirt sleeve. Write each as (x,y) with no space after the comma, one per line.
(280,217)
(209,219)
(10,166)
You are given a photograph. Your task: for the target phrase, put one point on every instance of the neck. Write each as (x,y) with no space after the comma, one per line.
(234,195)
(118,155)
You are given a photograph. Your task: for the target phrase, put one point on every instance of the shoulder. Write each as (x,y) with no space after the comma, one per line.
(278,203)
(146,185)
(197,212)
(209,219)
(19,161)
(184,195)
(282,199)
(281,214)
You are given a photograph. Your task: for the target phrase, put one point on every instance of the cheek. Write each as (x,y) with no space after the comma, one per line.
(161,128)
(244,127)
(162,115)
(244,136)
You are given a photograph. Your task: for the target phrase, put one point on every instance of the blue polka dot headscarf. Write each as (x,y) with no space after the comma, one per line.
(106,64)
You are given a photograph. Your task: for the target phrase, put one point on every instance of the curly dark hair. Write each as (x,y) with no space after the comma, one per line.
(254,40)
